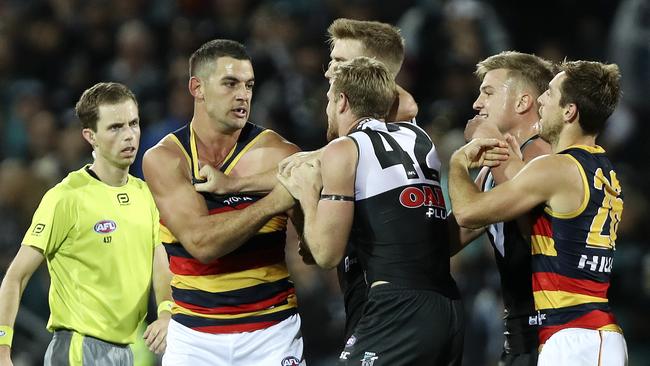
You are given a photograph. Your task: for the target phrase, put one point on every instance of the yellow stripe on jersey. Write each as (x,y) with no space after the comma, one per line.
(541,244)
(166,235)
(242,152)
(611,328)
(585,196)
(178,142)
(231,281)
(291,303)
(277,223)
(592,149)
(561,299)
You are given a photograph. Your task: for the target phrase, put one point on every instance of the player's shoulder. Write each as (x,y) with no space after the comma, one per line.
(535,148)
(551,168)
(340,147)
(270,139)
(167,146)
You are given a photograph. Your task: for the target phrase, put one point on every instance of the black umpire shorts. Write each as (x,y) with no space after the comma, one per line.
(402,326)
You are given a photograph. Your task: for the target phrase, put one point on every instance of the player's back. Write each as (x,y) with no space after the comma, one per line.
(400,230)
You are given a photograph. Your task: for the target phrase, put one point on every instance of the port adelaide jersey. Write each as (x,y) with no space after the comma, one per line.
(400,228)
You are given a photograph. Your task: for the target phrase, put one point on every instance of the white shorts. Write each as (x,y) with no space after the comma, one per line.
(278,345)
(579,346)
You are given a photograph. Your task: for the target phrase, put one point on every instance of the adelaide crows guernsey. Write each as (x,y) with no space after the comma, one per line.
(246,290)
(400,228)
(573,252)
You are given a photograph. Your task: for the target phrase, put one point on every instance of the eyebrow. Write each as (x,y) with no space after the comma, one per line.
(232,78)
(485,87)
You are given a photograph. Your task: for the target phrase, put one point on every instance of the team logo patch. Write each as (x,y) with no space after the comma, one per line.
(351,341)
(105,227)
(38,229)
(290,361)
(369,359)
(2,333)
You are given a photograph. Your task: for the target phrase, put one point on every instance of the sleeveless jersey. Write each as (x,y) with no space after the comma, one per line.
(573,253)
(513,259)
(400,228)
(246,290)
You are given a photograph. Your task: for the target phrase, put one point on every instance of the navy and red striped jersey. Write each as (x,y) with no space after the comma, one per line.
(245,290)
(573,252)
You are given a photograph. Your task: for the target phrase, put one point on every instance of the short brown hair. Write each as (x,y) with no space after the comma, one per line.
(368,85)
(211,51)
(87,108)
(530,69)
(380,40)
(594,88)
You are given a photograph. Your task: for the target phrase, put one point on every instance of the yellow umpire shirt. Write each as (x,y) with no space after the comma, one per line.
(98,242)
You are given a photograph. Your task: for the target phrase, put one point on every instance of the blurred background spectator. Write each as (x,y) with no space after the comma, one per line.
(51,50)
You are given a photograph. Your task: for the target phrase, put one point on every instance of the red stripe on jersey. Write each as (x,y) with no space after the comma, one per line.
(235,328)
(272,254)
(592,320)
(243,308)
(542,227)
(549,281)
(240,206)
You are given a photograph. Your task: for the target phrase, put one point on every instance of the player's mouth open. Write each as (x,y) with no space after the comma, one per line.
(240,112)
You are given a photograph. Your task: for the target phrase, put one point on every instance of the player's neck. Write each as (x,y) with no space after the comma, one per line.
(109,173)
(213,143)
(523,131)
(350,127)
(570,138)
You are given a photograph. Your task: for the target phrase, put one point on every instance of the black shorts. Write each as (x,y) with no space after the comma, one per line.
(402,326)
(519,359)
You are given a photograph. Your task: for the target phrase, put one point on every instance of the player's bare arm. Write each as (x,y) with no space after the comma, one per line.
(20,271)
(460,237)
(256,171)
(156,333)
(553,179)
(328,208)
(184,212)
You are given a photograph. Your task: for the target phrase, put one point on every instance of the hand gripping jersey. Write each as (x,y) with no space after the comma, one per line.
(245,290)
(573,253)
(513,259)
(400,231)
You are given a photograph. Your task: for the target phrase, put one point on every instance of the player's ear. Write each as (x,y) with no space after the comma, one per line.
(570,112)
(524,103)
(195,86)
(342,104)
(89,135)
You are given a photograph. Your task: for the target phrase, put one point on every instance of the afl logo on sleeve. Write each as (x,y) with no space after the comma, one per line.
(290,361)
(105,227)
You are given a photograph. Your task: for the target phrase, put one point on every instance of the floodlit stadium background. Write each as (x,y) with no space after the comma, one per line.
(51,50)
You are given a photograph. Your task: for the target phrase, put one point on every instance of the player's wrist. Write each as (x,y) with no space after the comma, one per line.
(459,158)
(6,335)
(165,306)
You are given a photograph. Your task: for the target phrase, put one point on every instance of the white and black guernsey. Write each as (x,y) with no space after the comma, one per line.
(400,232)
(513,258)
